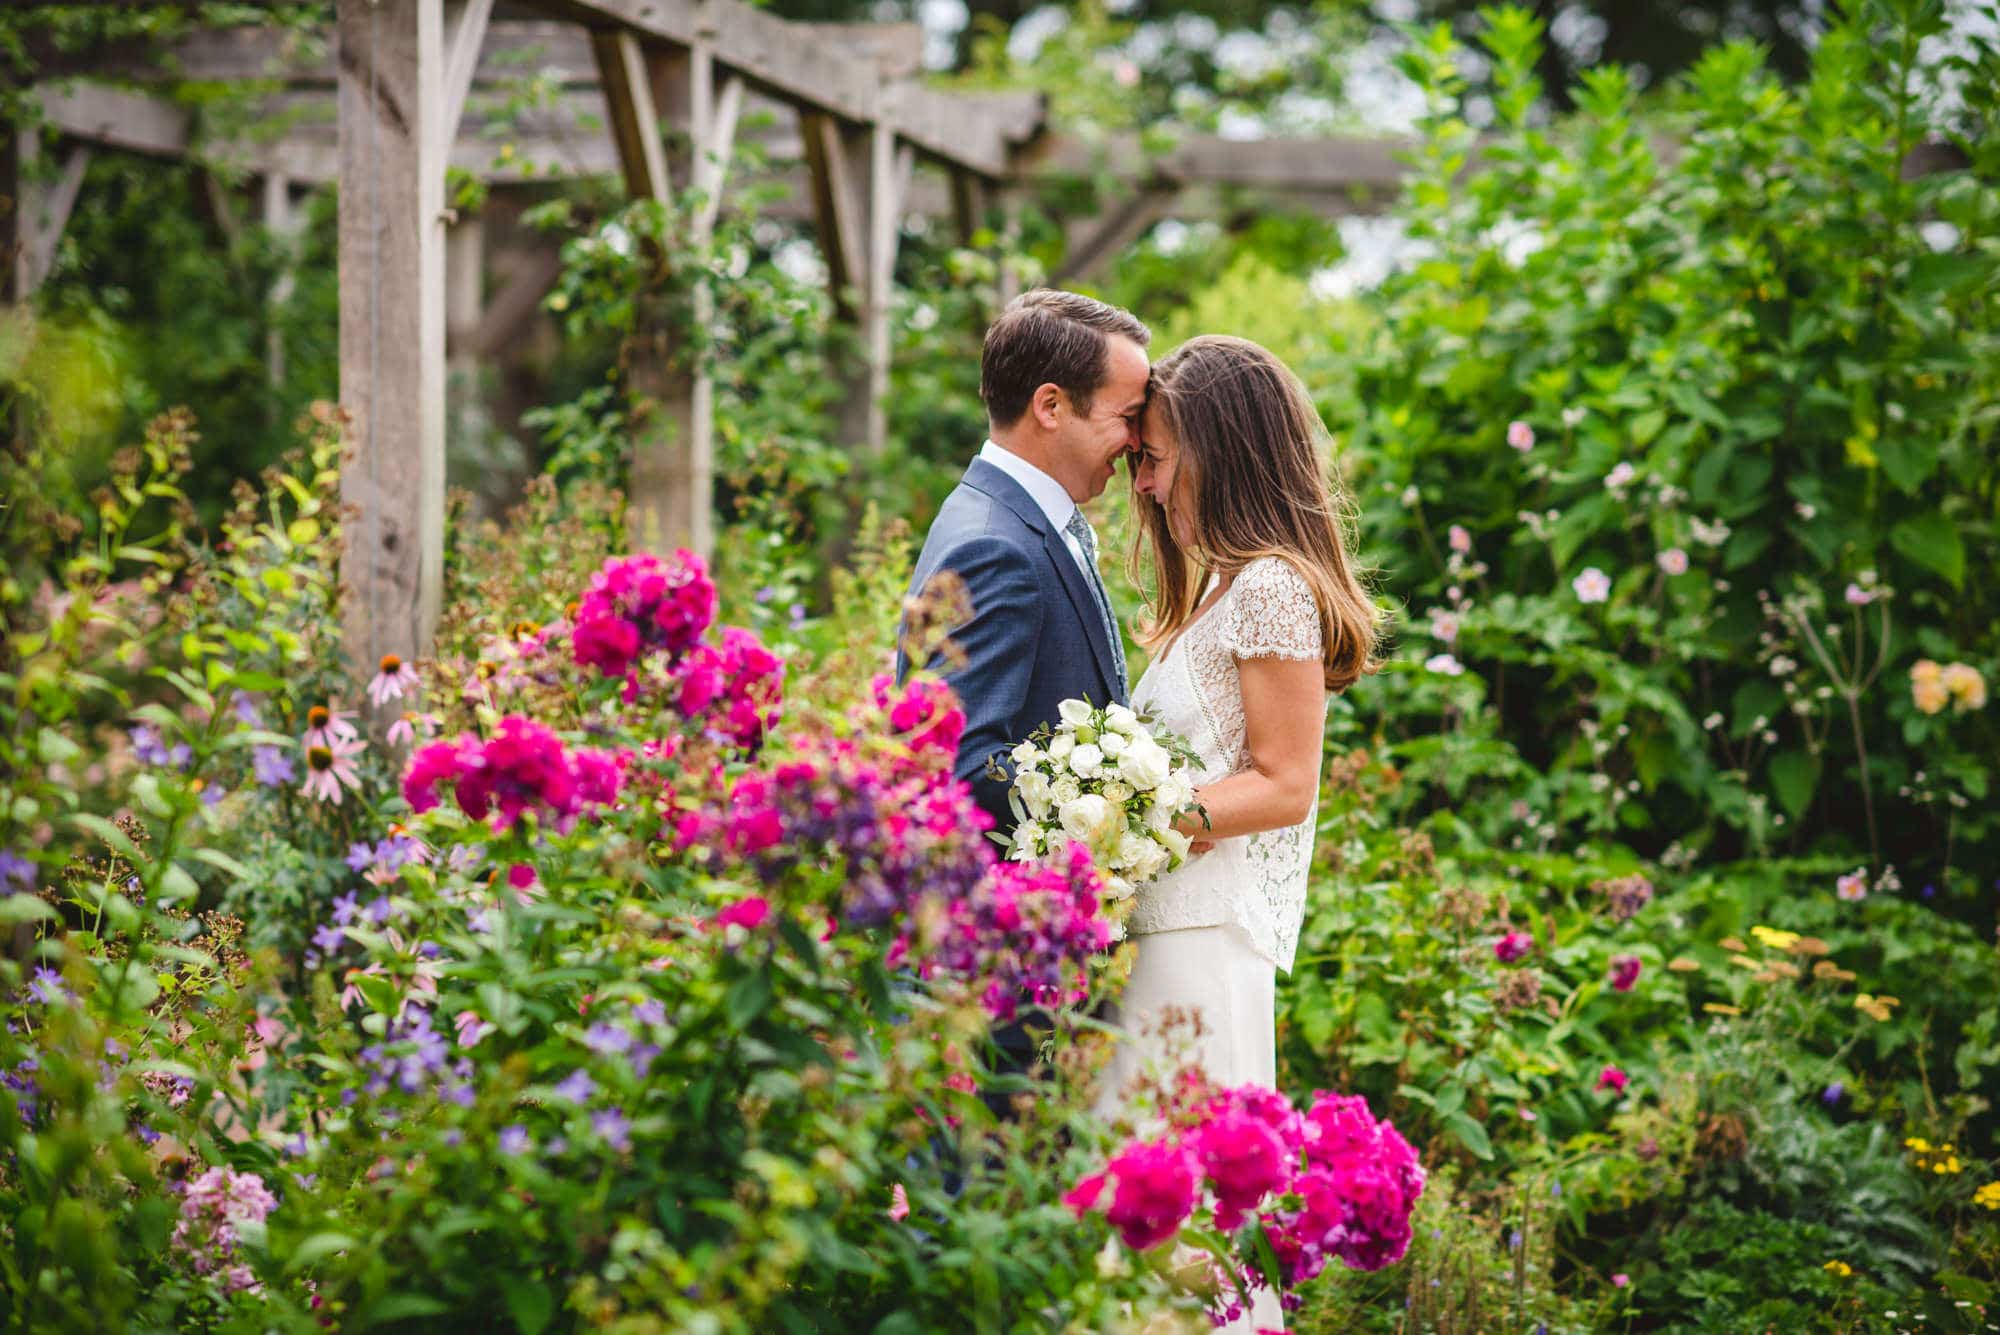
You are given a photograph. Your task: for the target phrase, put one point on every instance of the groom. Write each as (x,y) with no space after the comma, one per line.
(1064,381)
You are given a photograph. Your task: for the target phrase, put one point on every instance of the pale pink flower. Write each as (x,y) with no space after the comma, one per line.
(1461,539)
(899,1204)
(470,1028)
(403,729)
(1444,664)
(329,768)
(1858,596)
(1444,625)
(1620,477)
(1126,73)
(1673,561)
(392,678)
(1521,436)
(1620,1280)
(1853,886)
(1592,586)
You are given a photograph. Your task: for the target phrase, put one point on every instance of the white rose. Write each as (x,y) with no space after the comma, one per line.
(1061,746)
(1121,718)
(1111,743)
(1036,791)
(1117,887)
(1085,817)
(1145,764)
(1076,713)
(1086,761)
(1026,755)
(1175,791)
(1115,791)
(1176,842)
(1159,816)
(1065,789)
(1132,851)
(1151,863)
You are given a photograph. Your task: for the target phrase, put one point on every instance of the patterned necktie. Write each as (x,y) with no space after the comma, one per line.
(1079,528)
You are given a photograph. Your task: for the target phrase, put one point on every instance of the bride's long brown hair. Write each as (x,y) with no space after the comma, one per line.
(1251,450)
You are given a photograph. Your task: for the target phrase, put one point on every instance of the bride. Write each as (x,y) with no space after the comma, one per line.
(1256,615)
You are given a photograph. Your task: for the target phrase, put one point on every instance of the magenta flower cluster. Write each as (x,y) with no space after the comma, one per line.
(1024,930)
(924,713)
(640,604)
(214,1208)
(1332,1183)
(523,766)
(734,687)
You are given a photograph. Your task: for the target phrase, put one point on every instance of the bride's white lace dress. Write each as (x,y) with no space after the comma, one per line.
(1211,936)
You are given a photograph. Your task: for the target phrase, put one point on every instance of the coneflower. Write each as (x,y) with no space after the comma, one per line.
(392,677)
(330,767)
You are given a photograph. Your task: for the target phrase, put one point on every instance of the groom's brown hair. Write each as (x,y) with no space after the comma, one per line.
(1050,337)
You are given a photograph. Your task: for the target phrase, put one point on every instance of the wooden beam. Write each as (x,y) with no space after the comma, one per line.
(392,383)
(514,304)
(45,211)
(282,222)
(116,118)
(633,119)
(838,207)
(467,33)
(1094,242)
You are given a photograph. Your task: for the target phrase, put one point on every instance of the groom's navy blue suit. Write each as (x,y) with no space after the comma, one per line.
(1034,639)
(1035,636)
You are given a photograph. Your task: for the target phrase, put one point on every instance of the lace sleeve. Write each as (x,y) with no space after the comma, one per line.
(1271,613)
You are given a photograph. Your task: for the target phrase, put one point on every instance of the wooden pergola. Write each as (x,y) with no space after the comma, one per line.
(378,106)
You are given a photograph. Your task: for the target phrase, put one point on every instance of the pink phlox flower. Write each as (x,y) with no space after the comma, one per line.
(1512,947)
(899,1204)
(471,1028)
(1613,1080)
(1153,1192)
(1592,586)
(1461,539)
(1673,561)
(640,602)
(748,913)
(1521,436)
(1625,972)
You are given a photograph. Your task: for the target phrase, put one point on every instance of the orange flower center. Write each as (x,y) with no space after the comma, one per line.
(391,664)
(320,758)
(317,716)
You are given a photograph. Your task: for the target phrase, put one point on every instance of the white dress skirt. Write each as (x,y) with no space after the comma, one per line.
(1216,972)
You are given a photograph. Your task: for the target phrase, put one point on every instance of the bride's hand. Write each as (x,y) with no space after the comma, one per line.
(1200,846)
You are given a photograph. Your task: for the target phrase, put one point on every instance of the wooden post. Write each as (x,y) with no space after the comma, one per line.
(39,210)
(464,307)
(671,496)
(860,179)
(282,224)
(390,81)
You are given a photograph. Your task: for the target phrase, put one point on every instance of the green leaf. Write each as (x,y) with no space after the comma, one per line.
(1932,541)
(1794,775)
(23,908)
(176,884)
(399,1306)
(748,997)
(222,862)
(1470,1134)
(529,1301)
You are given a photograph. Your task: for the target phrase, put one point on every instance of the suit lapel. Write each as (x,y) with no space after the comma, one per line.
(984,477)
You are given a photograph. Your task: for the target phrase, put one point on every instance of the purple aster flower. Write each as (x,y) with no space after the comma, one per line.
(614,1126)
(305,1180)
(345,907)
(179,754)
(297,1145)
(515,1140)
(328,937)
(380,910)
(244,706)
(15,868)
(1929,891)
(359,856)
(557,1144)
(272,767)
(1514,1241)
(47,986)
(213,794)
(146,745)
(798,615)
(607,1038)
(1833,1094)
(146,1134)
(766,594)
(642,1057)
(650,1011)
(479,920)
(578,1087)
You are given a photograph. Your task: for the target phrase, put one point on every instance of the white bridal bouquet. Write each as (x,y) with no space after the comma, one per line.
(1109,780)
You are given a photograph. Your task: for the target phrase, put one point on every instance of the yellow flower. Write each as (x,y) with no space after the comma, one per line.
(1838,1269)
(1925,669)
(1682,964)
(1875,1008)
(1732,943)
(1967,687)
(1774,938)
(1744,962)
(1917,1143)
(1988,1196)
(1828,969)
(1930,697)
(1717,1008)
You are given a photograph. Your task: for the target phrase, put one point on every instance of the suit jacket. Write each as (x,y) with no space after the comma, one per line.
(1034,637)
